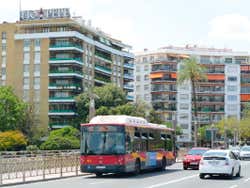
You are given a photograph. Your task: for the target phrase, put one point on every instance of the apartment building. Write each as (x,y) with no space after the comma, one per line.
(224,93)
(49,58)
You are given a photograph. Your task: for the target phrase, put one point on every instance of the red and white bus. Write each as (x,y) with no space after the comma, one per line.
(118,143)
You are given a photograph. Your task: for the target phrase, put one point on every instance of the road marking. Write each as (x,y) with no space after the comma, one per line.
(233,186)
(100,182)
(172,181)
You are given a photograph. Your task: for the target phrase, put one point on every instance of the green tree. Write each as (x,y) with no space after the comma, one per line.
(12,141)
(191,71)
(65,138)
(12,110)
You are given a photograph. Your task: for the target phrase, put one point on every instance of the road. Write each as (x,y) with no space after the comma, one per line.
(173,177)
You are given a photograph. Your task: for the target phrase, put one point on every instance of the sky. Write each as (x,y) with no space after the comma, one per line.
(153,24)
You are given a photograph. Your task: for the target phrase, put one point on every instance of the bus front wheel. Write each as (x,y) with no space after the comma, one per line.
(137,167)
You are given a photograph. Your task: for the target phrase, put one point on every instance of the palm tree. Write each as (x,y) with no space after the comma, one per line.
(191,71)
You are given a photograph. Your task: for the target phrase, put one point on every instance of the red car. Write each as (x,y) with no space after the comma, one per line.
(192,159)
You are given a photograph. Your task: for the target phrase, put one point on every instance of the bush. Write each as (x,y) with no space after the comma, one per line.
(32,148)
(12,141)
(65,138)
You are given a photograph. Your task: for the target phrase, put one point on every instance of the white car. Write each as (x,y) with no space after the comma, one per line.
(219,162)
(245,152)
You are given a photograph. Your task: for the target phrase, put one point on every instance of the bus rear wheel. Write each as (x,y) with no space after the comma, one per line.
(163,164)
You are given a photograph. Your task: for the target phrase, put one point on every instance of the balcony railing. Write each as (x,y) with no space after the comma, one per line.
(61,111)
(103,69)
(61,98)
(103,79)
(66,45)
(66,71)
(128,76)
(130,98)
(66,59)
(65,85)
(129,65)
(128,86)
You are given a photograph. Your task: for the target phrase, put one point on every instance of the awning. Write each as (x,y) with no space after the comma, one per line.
(156,75)
(245,97)
(216,77)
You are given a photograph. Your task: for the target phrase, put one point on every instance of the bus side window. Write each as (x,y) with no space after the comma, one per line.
(128,144)
(137,142)
(169,143)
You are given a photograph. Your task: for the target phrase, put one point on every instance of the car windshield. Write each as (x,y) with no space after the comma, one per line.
(215,153)
(103,143)
(196,151)
(245,148)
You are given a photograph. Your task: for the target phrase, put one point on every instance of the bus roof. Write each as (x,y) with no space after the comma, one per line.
(125,120)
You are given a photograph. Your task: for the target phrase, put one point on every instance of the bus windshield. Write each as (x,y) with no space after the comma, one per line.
(102,143)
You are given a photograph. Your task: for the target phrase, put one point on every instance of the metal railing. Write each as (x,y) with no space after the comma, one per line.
(16,168)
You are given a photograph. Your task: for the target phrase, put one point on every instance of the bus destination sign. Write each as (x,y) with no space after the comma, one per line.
(44,14)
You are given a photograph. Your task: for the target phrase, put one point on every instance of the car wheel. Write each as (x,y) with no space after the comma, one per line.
(98,174)
(232,174)
(202,176)
(238,174)
(185,167)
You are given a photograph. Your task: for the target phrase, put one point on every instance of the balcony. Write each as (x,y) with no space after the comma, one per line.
(62,112)
(103,69)
(57,60)
(65,86)
(70,72)
(62,99)
(130,97)
(66,46)
(103,57)
(128,65)
(129,76)
(128,87)
(102,80)
(58,125)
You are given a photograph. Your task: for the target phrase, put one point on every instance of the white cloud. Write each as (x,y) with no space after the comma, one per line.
(230,27)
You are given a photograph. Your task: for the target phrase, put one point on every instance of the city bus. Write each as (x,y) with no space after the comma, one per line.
(119,143)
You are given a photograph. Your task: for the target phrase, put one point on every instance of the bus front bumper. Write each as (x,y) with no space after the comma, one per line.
(103,168)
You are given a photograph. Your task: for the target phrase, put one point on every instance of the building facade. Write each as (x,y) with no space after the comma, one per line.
(224,93)
(49,58)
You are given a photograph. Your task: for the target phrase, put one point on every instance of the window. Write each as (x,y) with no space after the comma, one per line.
(37,81)
(146,67)
(37,42)
(138,78)
(37,68)
(146,77)
(144,59)
(4,47)
(26,43)
(137,87)
(232,78)
(146,97)
(184,106)
(183,96)
(232,97)
(151,58)
(45,29)
(4,35)
(184,126)
(25,95)
(37,57)
(3,59)
(25,68)
(146,87)
(26,57)
(232,107)
(3,71)
(137,68)
(37,95)
(232,88)
(183,116)
(26,81)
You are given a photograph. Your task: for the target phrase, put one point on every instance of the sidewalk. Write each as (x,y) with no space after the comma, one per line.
(48,177)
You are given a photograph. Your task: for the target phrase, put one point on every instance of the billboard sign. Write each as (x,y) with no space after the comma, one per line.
(44,14)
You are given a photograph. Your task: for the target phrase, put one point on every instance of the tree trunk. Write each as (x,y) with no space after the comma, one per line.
(195,113)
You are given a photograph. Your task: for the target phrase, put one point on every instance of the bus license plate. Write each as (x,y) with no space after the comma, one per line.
(100,167)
